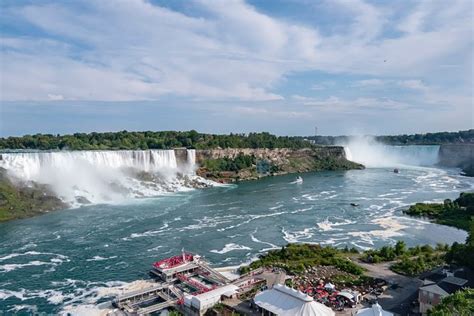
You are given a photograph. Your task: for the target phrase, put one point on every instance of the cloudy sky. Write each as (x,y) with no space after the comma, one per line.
(346,66)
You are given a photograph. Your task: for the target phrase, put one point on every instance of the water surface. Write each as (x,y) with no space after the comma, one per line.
(74,256)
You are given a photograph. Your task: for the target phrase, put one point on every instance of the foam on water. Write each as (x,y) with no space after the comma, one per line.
(230,247)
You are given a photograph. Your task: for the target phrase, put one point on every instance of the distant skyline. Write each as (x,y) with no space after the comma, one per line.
(346,66)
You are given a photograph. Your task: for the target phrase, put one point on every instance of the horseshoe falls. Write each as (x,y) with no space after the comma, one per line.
(367,151)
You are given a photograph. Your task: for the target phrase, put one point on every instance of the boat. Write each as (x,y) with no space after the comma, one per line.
(354,204)
(396,170)
(298,180)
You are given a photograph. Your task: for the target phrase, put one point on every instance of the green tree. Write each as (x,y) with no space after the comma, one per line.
(460,303)
(400,248)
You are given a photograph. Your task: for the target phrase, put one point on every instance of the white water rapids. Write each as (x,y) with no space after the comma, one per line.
(103,176)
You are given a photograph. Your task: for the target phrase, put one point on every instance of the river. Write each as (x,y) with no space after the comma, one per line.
(78,256)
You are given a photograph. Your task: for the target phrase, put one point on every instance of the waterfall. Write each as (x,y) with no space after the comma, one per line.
(348,153)
(191,159)
(102,176)
(367,151)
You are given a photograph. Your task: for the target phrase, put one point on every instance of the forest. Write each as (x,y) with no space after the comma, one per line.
(193,139)
(150,140)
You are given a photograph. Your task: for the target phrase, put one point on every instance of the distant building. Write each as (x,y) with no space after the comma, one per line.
(440,283)
(284,301)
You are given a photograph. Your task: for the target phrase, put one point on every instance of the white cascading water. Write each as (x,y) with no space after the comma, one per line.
(367,151)
(102,176)
(191,160)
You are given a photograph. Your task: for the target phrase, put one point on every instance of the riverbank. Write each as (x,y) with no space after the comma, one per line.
(457,213)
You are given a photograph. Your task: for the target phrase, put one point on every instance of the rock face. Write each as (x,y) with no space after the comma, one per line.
(276,154)
(21,199)
(458,155)
(282,161)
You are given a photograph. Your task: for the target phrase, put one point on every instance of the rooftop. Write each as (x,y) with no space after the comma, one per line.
(284,301)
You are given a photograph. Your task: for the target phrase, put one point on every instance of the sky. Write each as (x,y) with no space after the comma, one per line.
(286,67)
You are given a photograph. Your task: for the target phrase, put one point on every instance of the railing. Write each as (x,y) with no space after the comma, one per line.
(172,262)
(201,288)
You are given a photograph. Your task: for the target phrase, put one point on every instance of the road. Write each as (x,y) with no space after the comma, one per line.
(394,299)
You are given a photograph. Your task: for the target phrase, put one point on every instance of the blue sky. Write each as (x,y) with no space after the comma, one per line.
(347,66)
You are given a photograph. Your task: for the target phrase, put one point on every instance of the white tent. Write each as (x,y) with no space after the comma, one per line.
(375,310)
(284,301)
(329,286)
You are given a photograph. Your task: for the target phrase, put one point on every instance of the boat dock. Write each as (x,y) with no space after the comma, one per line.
(187,283)
(147,301)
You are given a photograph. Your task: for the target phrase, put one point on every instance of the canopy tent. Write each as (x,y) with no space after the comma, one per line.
(284,301)
(330,286)
(375,310)
(347,295)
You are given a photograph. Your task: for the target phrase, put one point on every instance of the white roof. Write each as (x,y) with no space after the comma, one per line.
(434,288)
(375,310)
(284,301)
(209,299)
(346,295)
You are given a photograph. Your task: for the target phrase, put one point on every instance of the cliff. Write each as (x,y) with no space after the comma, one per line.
(21,200)
(234,164)
(458,155)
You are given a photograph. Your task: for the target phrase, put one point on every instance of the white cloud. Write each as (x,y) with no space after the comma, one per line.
(369,83)
(234,53)
(55,97)
(273,112)
(413,84)
(134,50)
(337,104)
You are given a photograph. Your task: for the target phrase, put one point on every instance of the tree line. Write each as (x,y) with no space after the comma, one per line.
(150,140)
(460,137)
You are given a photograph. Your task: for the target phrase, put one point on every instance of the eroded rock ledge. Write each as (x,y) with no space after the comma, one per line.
(216,164)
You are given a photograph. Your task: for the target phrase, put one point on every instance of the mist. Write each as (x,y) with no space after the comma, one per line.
(84,177)
(367,151)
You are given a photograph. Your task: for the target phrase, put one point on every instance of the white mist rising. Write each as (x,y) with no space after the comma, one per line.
(367,151)
(102,176)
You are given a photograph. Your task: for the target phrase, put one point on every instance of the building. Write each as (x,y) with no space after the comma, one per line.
(199,304)
(374,310)
(169,268)
(431,293)
(284,301)
(184,281)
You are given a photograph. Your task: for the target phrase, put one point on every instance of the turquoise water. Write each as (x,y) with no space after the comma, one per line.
(74,256)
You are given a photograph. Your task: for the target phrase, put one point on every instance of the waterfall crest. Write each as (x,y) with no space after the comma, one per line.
(103,176)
